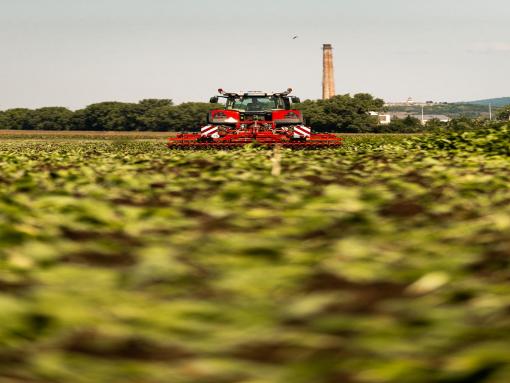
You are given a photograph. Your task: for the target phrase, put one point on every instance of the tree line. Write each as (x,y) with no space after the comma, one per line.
(146,115)
(342,114)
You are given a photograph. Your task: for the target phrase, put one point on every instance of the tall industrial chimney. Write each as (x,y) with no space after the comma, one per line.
(328,79)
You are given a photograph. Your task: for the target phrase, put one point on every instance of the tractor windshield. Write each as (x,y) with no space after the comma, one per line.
(256,104)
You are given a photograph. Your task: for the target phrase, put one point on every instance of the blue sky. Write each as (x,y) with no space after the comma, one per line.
(77,52)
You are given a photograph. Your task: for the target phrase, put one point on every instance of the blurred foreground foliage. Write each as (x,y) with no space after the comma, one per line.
(385,261)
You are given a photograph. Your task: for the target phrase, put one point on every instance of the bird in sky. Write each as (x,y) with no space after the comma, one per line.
(295,37)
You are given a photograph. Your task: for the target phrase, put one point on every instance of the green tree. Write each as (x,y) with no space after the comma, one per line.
(189,116)
(504,114)
(404,125)
(152,103)
(158,119)
(111,116)
(436,125)
(462,124)
(50,118)
(16,119)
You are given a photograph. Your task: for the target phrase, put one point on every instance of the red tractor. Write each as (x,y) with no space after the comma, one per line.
(254,117)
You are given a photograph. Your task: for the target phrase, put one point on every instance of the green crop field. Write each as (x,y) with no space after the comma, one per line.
(385,261)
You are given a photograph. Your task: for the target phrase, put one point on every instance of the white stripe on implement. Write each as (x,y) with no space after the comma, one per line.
(303,133)
(210,132)
(302,130)
(206,131)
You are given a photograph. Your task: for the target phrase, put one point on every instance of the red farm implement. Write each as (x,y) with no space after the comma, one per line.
(260,118)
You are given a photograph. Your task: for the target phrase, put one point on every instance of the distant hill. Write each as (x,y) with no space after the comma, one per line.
(497,102)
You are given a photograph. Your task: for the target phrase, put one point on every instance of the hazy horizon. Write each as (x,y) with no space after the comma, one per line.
(74,53)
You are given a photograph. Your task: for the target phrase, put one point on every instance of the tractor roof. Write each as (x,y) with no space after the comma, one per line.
(254,93)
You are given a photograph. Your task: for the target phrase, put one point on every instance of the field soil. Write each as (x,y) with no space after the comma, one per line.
(82,134)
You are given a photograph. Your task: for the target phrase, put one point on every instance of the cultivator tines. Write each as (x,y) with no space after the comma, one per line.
(254,118)
(191,144)
(202,145)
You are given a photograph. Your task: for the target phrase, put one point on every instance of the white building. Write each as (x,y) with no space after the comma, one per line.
(384,118)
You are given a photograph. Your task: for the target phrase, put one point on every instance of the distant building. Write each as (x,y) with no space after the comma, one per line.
(384,118)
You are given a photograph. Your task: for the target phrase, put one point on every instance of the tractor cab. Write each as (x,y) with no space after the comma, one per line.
(257,101)
(255,106)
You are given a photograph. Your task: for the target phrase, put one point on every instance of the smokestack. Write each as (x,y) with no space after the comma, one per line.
(328,79)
